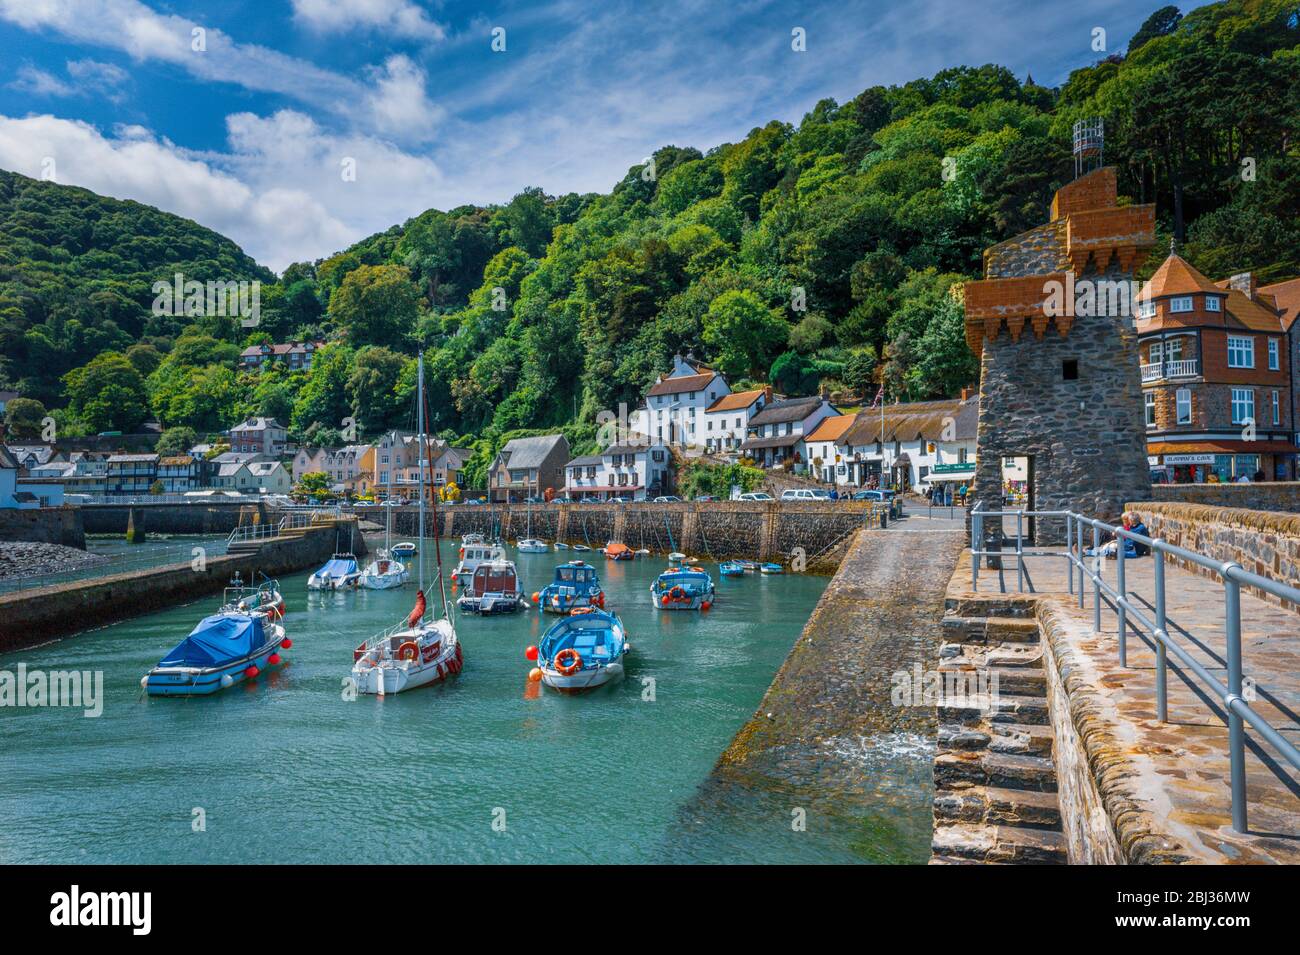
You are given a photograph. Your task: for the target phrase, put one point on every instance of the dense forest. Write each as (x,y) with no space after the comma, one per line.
(823,254)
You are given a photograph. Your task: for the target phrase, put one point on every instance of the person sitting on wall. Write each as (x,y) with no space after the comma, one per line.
(1133,522)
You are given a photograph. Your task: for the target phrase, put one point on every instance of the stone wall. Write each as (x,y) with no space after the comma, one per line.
(756,530)
(1265,496)
(30,617)
(1266,543)
(197,518)
(48,525)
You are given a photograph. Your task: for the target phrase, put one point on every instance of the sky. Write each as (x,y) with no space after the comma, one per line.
(297,127)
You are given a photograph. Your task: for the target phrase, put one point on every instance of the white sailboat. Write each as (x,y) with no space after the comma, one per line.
(530,544)
(386,572)
(416,651)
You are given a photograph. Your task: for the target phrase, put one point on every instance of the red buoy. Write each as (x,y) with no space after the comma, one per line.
(273,659)
(531,653)
(286,643)
(252,671)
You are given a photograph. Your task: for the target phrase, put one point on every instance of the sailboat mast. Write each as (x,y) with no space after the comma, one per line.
(419,455)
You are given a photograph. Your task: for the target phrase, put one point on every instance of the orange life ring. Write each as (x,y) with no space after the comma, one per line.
(568,669)
(410,650)
(677,593)
(577,610)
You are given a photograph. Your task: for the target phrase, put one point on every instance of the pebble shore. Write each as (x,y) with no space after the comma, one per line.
(30,558)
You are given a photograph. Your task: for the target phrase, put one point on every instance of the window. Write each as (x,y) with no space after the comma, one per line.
(1173,349)
(1070,370)
(1150,398)
(1274,358)
(1146,310)
(1277,408)
(1241,352)
(1213,303)
(1156,353)
(1243,405)
(1184,403)
(1183,303)
(1008,462)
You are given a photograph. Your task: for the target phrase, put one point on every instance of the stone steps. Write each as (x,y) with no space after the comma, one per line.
(992,843)
(995,796)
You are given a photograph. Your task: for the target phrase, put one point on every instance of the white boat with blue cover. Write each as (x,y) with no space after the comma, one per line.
(583,651)
(237,643)
(683,588)
(339,573)
(575,586)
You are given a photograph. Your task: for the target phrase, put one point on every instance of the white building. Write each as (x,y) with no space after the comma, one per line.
(924,443)
(270,477)
(633,471)
(776,432)
(726,421)
(820,449)
(676,403)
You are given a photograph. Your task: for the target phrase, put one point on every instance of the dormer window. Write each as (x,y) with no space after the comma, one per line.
(1180,303)
(1213,303)
(1146,310)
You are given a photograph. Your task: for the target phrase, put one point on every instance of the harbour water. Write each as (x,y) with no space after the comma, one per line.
(483,768)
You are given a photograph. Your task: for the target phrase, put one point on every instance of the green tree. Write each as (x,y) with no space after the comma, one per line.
(375,390)
(107,393)
(743,333)
(376,305)
(175,441)
(24,418)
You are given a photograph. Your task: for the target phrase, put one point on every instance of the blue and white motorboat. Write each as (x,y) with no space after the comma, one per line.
(771,568)
(240,641)
(494,588)
(683,588)
(404,551)
(582,651)
(339,573)
(575,586)
(731,568)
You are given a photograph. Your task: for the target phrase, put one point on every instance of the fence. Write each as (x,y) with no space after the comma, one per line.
(146,557)
(1232,576)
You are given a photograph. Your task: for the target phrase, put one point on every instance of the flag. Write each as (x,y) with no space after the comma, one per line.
(880,396)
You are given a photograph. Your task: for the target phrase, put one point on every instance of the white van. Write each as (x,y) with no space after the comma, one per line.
(804,494)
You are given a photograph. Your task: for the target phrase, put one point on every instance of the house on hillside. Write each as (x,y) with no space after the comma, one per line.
(726,421)
(307,461)
(296,356)
(259,436)
(1217,382)
(1285,297)
(635,471)
(180,473)
(528,467)
(676,403)
(131,474)
(775,433)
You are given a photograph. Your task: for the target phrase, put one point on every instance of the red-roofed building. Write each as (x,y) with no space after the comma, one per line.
(676,403)
(1217,379)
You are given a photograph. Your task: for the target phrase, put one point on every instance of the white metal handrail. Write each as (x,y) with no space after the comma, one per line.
(1233,578)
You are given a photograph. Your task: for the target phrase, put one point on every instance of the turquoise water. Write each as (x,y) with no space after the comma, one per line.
(483,768)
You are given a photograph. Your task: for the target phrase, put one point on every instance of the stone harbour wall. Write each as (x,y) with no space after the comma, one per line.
(1265,496)
(45,525)
(31,617)
(755,530)
(1266,543)
(197,518)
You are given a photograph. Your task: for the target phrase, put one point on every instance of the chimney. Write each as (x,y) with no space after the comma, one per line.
(1244,282)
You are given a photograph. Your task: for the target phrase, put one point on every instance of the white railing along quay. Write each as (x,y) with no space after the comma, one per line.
(1232,577)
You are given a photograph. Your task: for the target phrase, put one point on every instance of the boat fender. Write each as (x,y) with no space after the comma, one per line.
(273,659)
(706,605)
(409,650)
(536,596)
(286,643)
(534,674)
(227,680)
(144,680)
(600,599)
(574,664)
(252,671)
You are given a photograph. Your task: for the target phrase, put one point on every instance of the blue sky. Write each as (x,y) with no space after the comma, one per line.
(249,135)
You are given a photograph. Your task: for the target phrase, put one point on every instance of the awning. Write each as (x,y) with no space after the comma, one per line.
(1228,446)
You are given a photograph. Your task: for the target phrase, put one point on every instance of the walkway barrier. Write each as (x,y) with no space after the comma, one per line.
(1232,577)
(147,558)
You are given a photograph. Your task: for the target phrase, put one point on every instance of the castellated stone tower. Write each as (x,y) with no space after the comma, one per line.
(1061,393)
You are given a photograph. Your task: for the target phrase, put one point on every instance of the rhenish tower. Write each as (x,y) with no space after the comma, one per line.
(1060,387)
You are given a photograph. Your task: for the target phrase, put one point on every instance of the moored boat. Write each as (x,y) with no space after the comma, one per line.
(619,552)
(384,573)
(240,641)
(340,572)
(683,588)
(575,586)
(676,557)
(770,568)
(530,545)
(494,588)
(731,568)
(473,554)
(405,550)
(582,651)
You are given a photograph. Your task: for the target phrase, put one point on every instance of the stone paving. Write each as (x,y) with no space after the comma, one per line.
(1178,771)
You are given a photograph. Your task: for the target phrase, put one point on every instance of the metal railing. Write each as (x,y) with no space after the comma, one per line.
(1130,615)
(1173,368)
(263,530)
(147,558)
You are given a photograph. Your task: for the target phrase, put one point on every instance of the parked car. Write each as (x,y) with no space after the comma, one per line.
(620,500)
(705,497)
(667,499)
(805,494)
(475,500)
(756,496)
(866,494)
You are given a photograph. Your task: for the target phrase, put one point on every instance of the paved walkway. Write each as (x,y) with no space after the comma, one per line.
(1187,757)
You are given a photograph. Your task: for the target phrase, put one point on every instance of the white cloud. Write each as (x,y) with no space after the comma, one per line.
(395,17)
(37,82)
(147,35)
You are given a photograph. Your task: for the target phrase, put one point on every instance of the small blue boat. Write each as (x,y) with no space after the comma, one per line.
(235,644)
(583,651)
(575,586)
(731,568)
(339,573)
(683,589)
(770,568)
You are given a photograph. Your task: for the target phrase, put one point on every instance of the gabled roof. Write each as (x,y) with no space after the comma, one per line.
(256,424)
(831,428)
(586,461)
(1252,314)
(925,420)
(736,401)
(532,452)
(131,458)
(1286,299)
(7,460)
(677,386)
(177,461)
(1176,276)
(789,409)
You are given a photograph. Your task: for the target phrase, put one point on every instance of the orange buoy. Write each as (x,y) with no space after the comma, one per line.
(408,651)
(534,674)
